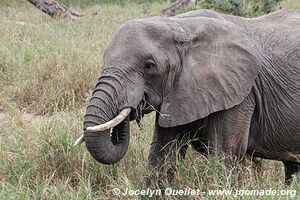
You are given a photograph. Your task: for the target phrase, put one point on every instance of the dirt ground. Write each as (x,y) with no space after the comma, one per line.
(2,115)
(24,116)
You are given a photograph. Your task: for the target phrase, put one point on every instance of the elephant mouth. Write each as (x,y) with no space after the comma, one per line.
(143,108)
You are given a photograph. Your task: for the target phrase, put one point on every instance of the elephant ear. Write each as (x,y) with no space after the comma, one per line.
(219,64)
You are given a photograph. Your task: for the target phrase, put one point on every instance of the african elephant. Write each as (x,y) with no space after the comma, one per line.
(229,81)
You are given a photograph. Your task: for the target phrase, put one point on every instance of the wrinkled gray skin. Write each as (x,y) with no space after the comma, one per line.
(221,81)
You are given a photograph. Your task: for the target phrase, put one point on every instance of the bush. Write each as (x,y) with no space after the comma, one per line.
(83,3)
(247,8)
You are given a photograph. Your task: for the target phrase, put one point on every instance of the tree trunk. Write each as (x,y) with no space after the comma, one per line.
(170,11)
(55,9)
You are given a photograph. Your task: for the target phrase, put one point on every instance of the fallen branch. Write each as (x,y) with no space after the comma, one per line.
(171,11)
(55,9)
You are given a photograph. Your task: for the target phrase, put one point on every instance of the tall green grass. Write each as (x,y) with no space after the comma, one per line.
(38,161)
(49,67)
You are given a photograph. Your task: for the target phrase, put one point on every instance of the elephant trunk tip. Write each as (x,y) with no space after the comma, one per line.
(108,147)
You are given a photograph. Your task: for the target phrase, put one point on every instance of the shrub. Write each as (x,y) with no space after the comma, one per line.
(248,8)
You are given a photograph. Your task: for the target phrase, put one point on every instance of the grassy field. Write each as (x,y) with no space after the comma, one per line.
(291,4)
(48,68)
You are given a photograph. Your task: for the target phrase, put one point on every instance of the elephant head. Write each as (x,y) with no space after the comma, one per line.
(184,71)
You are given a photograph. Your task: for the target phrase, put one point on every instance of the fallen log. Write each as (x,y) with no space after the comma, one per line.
(54,9)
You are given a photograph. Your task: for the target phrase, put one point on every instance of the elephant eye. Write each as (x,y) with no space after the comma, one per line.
(150,65)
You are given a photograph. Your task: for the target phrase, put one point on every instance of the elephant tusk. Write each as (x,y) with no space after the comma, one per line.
(79,140)
(108,125)
(112,123)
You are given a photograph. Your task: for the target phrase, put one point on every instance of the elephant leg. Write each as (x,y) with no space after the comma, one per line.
(168,145)
(200,147)
(229,130)
(176,155)
(290,169)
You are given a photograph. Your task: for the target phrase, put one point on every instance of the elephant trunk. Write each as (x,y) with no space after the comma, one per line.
(105,146)
(109,148)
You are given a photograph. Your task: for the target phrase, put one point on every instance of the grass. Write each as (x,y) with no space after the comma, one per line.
(291,4)
(48,67)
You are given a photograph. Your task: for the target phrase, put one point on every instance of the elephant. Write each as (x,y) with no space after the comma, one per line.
(231,82)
